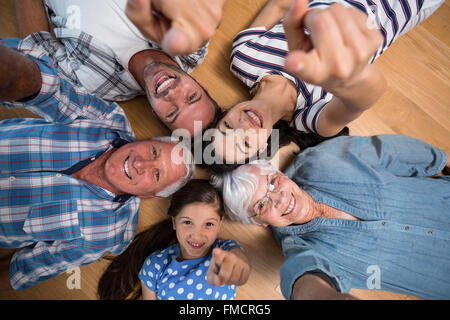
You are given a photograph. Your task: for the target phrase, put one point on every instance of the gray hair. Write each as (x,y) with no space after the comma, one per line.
(238,187)
(189,164)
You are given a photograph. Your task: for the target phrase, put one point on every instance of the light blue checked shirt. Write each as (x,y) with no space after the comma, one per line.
(57,221)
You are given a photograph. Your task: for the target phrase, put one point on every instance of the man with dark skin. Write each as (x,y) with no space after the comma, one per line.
(118,63)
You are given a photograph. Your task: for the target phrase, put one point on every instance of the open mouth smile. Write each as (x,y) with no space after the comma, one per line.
(290,207)
(162,81)
(126,167)
(195,245)
(254,117)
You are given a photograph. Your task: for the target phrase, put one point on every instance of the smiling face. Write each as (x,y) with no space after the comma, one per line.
(285,204)
(197,226)
(176,98)
(143,168)
(242,132)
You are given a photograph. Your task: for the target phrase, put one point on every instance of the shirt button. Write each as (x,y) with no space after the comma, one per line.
(93,158)
(430,231)
(383,223)
(58,175)
(12,178)
(406,228)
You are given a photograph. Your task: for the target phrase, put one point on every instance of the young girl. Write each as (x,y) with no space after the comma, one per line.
(180,257)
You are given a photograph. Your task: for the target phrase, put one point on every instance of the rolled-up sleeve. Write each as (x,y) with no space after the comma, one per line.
(44,260)
(61,101)
(301,259)
(400,155)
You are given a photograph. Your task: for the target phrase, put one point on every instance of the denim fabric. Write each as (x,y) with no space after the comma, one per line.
(403,238)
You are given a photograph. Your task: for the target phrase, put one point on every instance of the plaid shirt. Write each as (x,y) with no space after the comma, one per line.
(92,64)
(57,221)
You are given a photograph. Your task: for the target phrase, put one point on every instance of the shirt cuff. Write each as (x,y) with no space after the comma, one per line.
(297,265)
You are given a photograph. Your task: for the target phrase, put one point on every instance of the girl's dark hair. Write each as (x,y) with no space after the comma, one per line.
(287,134)
(120,280)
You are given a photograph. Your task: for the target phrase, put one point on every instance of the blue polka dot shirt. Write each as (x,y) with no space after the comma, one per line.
(186,280)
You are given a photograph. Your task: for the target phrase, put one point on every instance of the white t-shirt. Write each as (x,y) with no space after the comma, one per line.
(113,26)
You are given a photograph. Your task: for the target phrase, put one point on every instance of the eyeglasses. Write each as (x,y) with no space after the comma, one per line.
(262,204)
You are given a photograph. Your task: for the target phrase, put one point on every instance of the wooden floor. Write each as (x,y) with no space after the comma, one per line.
(417,103)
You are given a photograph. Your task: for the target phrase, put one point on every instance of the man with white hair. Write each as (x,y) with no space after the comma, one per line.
(353,212)
(71,183)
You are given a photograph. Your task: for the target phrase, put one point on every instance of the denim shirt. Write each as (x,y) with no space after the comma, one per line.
(402,241)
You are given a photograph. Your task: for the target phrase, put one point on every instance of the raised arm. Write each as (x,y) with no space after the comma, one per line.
(350,101)
(20,77)
(31,17)
(179,26)
(335,56)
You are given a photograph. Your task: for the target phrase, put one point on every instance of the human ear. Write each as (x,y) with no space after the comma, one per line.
(173,224)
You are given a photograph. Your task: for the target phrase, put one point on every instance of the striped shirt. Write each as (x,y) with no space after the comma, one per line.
(58,222)
(258,52)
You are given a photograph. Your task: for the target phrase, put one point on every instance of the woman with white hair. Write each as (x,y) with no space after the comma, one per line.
(353,212)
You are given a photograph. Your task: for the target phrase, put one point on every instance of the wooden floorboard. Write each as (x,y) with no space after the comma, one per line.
(417,68)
